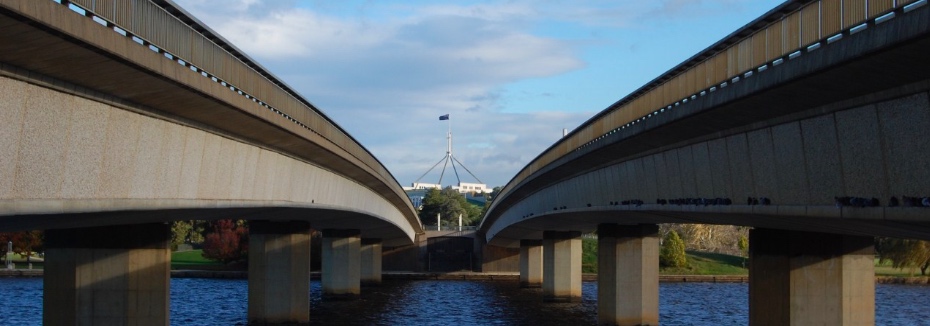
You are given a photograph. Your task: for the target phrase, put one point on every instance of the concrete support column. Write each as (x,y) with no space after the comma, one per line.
(628,274)
(114,275)
(531,263)
(561,266)
(371,262)
(341,264)
(279,272)
(807,278)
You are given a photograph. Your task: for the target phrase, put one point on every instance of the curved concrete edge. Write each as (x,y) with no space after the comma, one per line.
(22,214)
(902,222)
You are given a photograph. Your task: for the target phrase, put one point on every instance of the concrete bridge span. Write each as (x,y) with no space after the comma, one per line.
(102,119)
(806,124)
(840,120)
(121,115)
(74,162)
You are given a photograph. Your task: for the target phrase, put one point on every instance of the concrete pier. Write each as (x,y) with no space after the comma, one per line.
(279,272)
(114,275)
(807,278)
(628,274)
(341,264)
(370,262)
(562,266)
(531,263)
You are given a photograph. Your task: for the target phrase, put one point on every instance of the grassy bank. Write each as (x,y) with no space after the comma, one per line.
(699,263)
(706,263)
(193,259)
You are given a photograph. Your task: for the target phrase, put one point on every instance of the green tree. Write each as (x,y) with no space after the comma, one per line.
(189,231)
(489,198)
(743,244)
(672,253)
(449,204)
(904,253)
(180,233)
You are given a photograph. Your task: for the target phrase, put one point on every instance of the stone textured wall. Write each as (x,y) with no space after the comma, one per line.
(868,150)
(61,153)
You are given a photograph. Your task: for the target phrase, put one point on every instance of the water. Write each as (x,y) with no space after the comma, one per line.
(223,302)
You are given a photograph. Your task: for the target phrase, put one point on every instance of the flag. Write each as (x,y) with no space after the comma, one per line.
(444,117)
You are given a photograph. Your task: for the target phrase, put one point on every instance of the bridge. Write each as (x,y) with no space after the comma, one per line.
(806,124)
(121,115)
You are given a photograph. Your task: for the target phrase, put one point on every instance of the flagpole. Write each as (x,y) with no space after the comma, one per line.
(449,138)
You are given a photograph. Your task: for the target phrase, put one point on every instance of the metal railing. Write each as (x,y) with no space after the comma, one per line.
(782,34)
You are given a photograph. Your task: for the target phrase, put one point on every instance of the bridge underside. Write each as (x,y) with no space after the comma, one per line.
(587,220)
(319,217)
(843,120)
(99,130)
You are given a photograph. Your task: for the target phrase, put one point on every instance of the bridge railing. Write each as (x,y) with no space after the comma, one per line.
(782,34)
(166,28)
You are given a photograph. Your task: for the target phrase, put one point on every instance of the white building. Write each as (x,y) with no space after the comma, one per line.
(462,187)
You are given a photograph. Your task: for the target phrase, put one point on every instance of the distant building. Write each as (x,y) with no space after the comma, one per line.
(472,188)
(462,187)
(472,192)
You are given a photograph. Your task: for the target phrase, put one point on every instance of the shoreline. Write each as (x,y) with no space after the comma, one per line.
(475,276)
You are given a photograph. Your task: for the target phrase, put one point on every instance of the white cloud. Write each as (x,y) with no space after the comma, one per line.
(386,79)
(385,71)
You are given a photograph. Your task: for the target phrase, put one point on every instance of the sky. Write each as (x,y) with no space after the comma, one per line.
(510,74)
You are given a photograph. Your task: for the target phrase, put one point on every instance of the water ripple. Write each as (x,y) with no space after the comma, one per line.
(222,302)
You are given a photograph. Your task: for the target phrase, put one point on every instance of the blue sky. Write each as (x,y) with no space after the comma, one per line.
(511,74)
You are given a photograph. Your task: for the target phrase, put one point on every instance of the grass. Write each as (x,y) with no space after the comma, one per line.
(699,263)
(885,269)
(19,261)
(193,259)
(707,263)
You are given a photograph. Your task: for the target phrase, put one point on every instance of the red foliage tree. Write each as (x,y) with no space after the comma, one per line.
(25,243)
(226,241)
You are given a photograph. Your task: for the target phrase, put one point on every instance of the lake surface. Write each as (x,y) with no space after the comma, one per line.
(223,302)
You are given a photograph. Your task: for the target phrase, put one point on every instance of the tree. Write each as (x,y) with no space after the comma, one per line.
(743,244)
(25,243)
(180,232)
(226,241)
(708,237)
(489,199)
(904,253)
(190,231)
(672,253)
(449,204)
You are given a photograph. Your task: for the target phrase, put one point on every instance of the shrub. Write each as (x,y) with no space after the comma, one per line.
(673,251)
(227,242)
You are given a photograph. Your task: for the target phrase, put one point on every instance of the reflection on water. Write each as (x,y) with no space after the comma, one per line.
(223,302)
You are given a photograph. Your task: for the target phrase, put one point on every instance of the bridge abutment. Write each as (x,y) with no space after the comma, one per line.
(628,274)
(370,262)
(561,266)
(113,275)
(531,263)
(341,275)
(808,278)
(279,272)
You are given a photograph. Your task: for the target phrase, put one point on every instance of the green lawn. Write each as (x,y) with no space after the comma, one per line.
(699,263)
(885,269)
(706,263)
(192,259)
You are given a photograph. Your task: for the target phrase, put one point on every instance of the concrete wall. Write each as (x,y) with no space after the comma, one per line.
(407,258)
(867,150)
(498,259)
(61,153)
